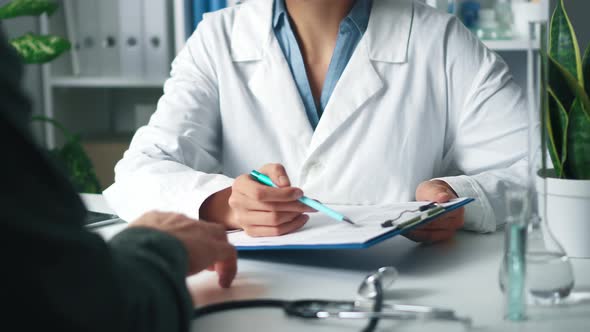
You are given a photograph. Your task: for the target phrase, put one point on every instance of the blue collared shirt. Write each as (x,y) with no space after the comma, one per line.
(352,29)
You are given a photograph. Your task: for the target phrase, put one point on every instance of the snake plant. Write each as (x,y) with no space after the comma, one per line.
(37,49)
(568,109)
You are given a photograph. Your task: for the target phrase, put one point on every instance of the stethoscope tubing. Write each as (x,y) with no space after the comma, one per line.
(236,305)
(372,287)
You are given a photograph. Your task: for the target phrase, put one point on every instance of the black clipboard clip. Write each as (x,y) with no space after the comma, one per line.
(426,211)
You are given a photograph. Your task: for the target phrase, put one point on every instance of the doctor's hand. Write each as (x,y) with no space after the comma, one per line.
(445,227)
(205,243)
(258,209)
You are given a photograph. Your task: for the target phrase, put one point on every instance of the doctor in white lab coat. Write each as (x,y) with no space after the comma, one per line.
(423,110)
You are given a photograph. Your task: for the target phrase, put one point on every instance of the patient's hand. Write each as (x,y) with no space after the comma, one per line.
(206,244)
(447,225)
(258,209)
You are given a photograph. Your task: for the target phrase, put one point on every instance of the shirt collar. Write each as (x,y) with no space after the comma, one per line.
(359,14)
(389,21)
(280,9)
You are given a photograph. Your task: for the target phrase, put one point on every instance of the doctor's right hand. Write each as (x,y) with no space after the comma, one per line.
(258,209)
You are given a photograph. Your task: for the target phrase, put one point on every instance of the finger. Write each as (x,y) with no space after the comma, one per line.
(434,191)
(444,224)
(265,231)
(227,268)
(214,231)
(267,219)
(457,218)
(203,253)
(259,192)
(443,197)
(453,220)
(430,236)
(447,187)
(246,203)
(277,173)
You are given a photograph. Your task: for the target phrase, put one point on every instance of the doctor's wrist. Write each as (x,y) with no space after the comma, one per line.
(445,184)
(216,209)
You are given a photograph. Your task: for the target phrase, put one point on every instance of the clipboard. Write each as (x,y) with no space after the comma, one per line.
(322,232)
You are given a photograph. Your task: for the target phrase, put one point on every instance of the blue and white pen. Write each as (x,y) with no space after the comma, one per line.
(264,179)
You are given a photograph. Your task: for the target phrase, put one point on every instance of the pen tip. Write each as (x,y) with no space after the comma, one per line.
(349,221)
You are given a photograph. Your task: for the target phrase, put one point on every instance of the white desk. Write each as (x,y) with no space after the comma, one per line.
(461,275)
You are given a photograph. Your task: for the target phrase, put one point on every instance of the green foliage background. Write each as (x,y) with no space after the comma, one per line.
(568,109)
(37,49)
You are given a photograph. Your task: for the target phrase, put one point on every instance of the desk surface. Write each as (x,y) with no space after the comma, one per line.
(461,275)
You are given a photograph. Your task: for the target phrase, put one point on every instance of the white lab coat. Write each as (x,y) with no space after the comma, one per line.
(421,98)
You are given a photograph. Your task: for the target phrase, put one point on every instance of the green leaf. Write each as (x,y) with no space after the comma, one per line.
(557,128)
(563,43)
(36,49)
(79,167)
(73,160)
(18,8)
(578,163)
(560,87)
(586,69)
(572,83)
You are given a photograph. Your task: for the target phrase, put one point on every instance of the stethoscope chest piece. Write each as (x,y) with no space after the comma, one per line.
(385,275)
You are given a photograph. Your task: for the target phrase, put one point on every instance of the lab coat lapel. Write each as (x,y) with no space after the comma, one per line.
(275,89)
(272,83)
(358,83)
(386,40)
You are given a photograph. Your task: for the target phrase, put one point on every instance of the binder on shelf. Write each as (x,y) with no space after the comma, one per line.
(72,32)
(131,38)
(109,54)
(87,26)
(156,38)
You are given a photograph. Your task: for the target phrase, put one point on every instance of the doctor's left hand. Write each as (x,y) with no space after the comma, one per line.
(447,225)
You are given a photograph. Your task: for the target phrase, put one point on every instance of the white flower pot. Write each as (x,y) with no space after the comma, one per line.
(568,213)
(526,12)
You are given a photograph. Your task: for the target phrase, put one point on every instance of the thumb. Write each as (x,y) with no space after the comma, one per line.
(443,197)
(433,191)
(277,174)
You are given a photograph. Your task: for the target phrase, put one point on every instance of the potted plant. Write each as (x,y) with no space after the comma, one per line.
(567,125)
(38,49)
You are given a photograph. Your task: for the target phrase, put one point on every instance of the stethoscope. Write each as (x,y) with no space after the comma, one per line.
(372,307)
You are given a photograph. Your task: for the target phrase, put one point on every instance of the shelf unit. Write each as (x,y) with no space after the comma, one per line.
(181,29)
(85,97)
(51,82)
(510,45)
(104,82)
(96,106)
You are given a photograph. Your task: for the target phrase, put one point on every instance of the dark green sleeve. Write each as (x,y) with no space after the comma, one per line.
(57,276)
(159,263)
